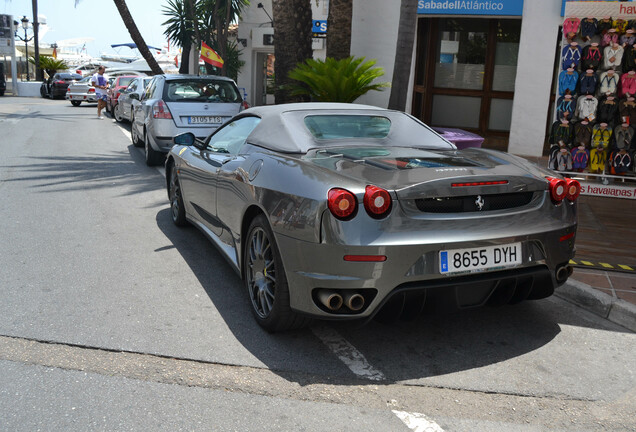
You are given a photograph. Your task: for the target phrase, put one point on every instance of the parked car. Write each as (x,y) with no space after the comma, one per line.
(3,80)
(81,91)
(173,104)
(55,87)
(343,212)
(112,95)
(126,102)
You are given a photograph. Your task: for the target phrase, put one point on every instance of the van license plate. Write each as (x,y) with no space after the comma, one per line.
(460,260)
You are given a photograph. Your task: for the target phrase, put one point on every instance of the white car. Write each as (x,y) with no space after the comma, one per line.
(81,91)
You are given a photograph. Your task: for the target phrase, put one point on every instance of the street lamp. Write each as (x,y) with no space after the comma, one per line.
(25,39)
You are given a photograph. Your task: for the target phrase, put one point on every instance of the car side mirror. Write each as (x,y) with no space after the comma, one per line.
(134,96)
(186,139)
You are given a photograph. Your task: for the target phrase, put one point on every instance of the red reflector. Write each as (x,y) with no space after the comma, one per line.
(566,237)
(481,183)
(365,258)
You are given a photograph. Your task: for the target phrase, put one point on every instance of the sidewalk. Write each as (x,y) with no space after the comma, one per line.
(604,279)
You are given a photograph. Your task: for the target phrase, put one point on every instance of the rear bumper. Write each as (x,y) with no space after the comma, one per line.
(81,97)
(415,268)
(162,131)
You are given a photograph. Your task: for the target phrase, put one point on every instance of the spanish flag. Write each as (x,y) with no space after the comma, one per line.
(55,52)
(208,55)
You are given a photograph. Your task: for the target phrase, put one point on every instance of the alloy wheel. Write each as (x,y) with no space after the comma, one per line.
(261,272)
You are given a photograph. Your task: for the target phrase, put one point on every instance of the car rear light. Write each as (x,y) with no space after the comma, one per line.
(558,189)
(161,111)
(59,82)
(91,90)
(365,258)
(245,105)
(68,90)
(377,201)
(341,203)
(573,189)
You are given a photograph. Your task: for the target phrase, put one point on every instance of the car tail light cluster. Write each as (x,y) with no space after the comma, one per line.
(561,189)
(90,90)
(245,105)
(344,205)
(161,111)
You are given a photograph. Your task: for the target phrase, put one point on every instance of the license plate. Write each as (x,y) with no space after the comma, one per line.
(204,119)
(459,260)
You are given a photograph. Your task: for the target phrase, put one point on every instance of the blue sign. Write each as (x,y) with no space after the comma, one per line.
(319,26)
(470,7)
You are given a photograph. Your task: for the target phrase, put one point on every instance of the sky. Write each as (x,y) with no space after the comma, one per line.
(98,19)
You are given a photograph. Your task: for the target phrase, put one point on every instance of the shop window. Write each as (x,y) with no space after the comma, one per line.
(461,53)
(500,114)
(456,111)
(506,55)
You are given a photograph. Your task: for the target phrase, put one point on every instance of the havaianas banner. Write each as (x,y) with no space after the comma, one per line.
(470,7)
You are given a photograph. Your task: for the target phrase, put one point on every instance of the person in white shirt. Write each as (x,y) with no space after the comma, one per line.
(99,82)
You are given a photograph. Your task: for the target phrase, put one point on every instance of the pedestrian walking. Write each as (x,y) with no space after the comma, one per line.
(99,82)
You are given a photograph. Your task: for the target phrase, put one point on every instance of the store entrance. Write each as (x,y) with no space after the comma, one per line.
(465,75)
(264,79)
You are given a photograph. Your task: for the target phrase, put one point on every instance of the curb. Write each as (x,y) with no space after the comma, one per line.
(583,295)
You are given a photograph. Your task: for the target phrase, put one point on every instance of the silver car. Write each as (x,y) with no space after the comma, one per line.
(81,91)
(130,97)
(173,104)
(345,212)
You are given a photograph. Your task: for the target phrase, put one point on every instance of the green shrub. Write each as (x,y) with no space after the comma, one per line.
(335,80)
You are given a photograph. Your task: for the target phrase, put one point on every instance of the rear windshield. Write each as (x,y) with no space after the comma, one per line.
(347,126)
(125,81)
(201,91)
(69,76)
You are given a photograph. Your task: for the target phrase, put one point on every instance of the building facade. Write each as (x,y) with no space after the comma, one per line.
(486,66)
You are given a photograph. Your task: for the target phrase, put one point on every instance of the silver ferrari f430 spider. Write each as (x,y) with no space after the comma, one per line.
(341,211)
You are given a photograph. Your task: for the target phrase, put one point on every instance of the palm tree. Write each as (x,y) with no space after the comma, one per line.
(339,29)
(403,54)
(180,28)
(136,36)
(292,42)
(36,40)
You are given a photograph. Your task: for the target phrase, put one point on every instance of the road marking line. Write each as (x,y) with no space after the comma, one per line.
(347,353)
(418,422)
(606,265)
(572,262)
(625,267)
(587,263)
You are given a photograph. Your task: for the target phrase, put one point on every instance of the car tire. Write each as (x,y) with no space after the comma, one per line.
(42,92)
(268,293)
(177,208)
(153,157)
(134,136)
(76,103)
(117,113)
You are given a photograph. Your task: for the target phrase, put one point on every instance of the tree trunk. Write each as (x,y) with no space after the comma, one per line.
(195,44)
(339,29)
(185,59)
(136,36)
(292,41)
(39,76)
(403,55)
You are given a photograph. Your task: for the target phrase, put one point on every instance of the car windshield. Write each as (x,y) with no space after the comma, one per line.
(123,82)
(69,76)
(347,126)
(85,79)
(201,91)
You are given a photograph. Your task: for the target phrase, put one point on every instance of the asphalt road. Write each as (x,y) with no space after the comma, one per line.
(111,318)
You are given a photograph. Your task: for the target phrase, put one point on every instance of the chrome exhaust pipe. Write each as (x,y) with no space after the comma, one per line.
(330,299)
(354,301)
(562,274)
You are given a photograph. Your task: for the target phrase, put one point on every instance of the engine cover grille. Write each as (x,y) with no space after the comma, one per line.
(474,203)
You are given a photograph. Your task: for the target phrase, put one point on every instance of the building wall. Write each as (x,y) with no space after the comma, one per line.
(535,69)
(374,30)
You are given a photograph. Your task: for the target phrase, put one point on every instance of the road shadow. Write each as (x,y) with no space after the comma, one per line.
(426,347)
(72,173)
